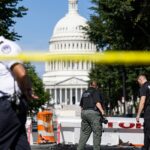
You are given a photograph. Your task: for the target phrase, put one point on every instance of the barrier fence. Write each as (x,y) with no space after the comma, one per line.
(126,130)
(116,57)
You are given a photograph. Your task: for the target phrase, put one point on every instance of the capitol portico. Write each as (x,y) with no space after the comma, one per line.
(66,80)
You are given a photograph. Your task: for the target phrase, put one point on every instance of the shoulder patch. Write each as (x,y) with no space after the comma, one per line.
(6,49)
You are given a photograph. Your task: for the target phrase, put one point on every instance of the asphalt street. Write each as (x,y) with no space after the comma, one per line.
(74,147)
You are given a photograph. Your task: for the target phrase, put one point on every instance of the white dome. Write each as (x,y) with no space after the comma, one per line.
(68,34)
(70,25)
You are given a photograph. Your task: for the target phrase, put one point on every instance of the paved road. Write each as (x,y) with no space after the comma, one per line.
(74,147)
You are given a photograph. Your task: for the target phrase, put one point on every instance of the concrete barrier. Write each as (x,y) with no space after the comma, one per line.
(117,129)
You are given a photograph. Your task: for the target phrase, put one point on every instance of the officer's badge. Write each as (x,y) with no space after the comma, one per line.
(149,87)
(6,49)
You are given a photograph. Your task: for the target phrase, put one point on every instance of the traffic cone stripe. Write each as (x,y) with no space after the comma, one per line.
(45,133)
(45,127)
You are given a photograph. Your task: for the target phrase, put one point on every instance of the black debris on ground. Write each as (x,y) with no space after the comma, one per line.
(74,147)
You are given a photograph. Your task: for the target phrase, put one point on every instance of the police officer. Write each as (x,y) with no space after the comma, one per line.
(144,105)
(91,115)
(15,89)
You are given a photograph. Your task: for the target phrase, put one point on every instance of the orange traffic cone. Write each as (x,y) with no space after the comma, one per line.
(45,127)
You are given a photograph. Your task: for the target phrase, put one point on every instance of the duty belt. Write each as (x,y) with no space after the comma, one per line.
(90,109)
(5,97)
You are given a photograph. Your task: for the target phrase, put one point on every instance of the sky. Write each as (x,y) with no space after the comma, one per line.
(37,26)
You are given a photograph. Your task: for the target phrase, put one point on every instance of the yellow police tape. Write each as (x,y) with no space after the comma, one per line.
(115,57)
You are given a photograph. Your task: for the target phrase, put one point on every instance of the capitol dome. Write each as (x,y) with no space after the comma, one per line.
(65,81)
(68,32)
(66,26)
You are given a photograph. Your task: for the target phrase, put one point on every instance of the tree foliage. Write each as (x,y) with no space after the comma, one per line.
(9,11)
(38,87)
(119,25)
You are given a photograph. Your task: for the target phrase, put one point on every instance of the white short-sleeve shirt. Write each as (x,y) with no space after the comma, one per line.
(7,47)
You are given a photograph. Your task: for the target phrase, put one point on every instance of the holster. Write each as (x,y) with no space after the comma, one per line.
(20,105)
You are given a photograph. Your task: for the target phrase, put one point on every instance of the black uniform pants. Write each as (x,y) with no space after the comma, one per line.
(12,128)
(146,134)
(147,128)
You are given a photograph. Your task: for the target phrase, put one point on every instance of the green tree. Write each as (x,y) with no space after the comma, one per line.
(119,25)
(9,11)
(38,88)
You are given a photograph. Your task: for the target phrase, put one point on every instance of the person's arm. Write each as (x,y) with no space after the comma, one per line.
(20,74)
(99,106)
(98,101)
(81,103)
(141,106)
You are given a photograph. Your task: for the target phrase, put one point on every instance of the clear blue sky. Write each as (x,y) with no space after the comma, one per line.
(37,26)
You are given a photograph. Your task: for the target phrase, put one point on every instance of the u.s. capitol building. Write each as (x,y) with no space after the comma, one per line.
(66,81)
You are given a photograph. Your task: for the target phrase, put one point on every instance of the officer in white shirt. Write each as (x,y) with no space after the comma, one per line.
(15,91)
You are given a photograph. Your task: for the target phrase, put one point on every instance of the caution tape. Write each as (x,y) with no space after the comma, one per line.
(115,57)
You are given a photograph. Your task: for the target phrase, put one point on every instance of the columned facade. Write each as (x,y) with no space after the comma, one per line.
(67,95)
(66,81)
